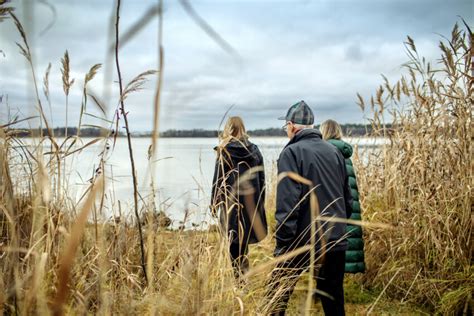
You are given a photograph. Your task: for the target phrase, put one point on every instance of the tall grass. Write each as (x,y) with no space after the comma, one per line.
(421,181)
(55,260)
(58,259)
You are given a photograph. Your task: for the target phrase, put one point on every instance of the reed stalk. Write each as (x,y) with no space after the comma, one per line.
(129,141)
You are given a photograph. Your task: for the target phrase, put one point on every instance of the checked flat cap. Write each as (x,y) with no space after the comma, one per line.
(299,113)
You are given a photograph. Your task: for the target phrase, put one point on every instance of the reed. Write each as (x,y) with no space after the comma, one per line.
(67,83)
(420,182)
(59,258)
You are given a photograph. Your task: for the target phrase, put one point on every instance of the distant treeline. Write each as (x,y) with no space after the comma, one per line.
(348,130)
(61,132)
(188,133)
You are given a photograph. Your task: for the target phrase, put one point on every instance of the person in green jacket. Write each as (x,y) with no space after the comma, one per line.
(332,133)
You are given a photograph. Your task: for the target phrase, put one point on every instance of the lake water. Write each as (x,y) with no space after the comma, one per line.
(183,172)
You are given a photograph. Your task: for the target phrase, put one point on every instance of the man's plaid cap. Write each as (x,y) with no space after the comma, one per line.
(299,113)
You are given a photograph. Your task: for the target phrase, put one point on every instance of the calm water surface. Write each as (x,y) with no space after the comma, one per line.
(183,173)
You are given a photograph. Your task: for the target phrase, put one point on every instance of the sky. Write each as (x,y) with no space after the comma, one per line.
(319,51)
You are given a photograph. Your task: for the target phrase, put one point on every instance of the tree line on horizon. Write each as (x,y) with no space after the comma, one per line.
(348,130)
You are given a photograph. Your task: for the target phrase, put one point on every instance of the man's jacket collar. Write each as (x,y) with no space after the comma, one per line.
(303,134)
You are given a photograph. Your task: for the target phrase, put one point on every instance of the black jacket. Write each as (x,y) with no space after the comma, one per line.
(239,190)
(320,162)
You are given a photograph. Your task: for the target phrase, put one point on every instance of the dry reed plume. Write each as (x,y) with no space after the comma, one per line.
(421,180)
(58,258)
(56,262)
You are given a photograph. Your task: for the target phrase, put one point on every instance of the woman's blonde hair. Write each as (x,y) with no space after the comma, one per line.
(331,130)
(234,130)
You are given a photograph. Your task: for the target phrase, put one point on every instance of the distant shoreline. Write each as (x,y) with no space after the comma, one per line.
(350,130)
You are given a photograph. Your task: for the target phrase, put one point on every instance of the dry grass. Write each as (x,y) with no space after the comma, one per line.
(421,181)
(58,259)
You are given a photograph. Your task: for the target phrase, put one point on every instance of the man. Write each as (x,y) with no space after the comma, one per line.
(313,159)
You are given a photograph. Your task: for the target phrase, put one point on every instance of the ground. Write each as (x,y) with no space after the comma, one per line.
(359,300)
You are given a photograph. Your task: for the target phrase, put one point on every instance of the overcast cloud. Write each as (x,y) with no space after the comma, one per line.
(323,52)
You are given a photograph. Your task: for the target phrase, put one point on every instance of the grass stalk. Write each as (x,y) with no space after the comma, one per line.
(129,141)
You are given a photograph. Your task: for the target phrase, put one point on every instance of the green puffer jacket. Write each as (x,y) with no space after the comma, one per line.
(355,251)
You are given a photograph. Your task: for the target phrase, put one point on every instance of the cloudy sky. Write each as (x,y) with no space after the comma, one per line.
(320,51)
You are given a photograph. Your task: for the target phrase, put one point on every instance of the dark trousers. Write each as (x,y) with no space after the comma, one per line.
(238,248)
(239,258)
(329,278)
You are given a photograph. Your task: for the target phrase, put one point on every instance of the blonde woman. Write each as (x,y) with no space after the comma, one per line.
(332,133)
(238,191)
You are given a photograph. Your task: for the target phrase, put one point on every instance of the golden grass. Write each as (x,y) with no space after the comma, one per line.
(58,260)
(421,181)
